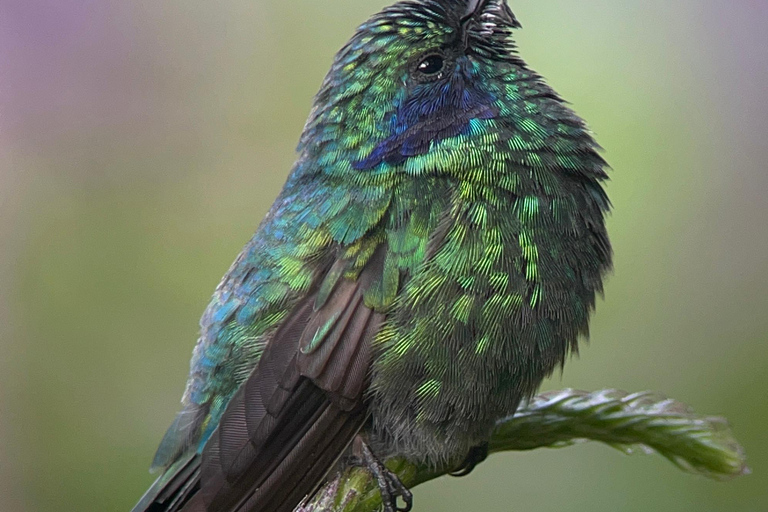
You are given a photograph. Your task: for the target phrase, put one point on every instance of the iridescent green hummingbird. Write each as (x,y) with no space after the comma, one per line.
(434,254)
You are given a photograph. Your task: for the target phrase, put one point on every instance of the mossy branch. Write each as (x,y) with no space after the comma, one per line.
(629,422)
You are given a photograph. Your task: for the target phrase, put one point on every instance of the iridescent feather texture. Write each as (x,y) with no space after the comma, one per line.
(435,253)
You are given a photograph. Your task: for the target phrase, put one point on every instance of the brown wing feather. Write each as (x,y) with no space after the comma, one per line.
(296,413)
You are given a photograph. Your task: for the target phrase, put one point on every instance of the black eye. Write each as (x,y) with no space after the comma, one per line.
(431,65)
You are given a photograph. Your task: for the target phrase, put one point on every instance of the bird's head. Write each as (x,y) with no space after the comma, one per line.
(437,86)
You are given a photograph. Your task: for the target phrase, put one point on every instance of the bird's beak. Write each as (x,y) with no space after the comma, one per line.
(474,7)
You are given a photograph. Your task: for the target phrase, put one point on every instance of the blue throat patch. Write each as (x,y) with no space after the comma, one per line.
(426,117)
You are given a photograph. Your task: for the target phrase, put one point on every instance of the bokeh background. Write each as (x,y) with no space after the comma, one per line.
(141,142)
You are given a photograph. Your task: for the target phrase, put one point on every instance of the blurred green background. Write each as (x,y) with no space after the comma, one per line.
(141,142)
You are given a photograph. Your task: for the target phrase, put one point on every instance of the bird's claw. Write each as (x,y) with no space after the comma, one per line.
(390,486)
(476,455)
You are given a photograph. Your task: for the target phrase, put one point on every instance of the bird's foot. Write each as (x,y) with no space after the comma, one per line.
(392,489)
(476,455)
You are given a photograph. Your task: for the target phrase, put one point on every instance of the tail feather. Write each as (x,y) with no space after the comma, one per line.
(171,490)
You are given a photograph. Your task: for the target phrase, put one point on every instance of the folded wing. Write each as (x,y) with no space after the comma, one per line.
(293,417)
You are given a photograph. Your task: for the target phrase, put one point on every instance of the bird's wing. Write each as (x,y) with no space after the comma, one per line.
(293,416)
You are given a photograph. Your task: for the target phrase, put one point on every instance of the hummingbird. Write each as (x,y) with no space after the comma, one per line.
(435,253)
